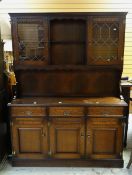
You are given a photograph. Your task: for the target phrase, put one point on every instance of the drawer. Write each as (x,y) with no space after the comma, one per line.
(28,111)
(66,111)
(27,121)
(105,111)
(103,122)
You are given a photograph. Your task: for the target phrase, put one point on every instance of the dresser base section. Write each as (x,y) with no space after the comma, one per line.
(116,163)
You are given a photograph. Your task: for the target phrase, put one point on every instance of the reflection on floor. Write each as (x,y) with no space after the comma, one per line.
(9,170)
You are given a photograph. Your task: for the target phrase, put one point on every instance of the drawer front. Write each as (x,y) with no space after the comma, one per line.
(105,111)
(103,122)
(28,111)
(66,111)
(27,121)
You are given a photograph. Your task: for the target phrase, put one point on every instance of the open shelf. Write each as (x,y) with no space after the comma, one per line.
(68,30)
(67,41)
(67,54)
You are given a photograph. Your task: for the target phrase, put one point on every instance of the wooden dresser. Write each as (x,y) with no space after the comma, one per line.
(68,110)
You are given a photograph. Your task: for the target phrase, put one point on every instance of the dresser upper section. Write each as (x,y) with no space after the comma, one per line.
(68,54)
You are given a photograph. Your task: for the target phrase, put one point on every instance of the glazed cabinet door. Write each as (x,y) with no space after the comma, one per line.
(67,138)
(105,40)
(29,138)
(30,38)
(104,138)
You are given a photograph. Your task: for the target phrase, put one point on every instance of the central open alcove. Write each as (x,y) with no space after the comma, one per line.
(68,38)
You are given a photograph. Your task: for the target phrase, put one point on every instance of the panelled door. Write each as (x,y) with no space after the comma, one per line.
(67,137)
(104,138)
(29,138)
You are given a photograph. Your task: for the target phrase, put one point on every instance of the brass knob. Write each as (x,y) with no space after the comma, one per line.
(82,134)
(43,135)
(88,134)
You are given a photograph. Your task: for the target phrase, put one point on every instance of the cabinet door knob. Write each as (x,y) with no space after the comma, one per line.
(43,134)
(88,134)
(82,134)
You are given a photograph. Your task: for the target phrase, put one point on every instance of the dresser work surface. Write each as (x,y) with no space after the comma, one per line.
(54,101)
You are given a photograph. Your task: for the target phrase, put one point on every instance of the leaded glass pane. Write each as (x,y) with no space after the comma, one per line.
(31,41)
(105,40)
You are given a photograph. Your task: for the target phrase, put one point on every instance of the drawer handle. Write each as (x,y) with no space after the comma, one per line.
(28,113)
(66,113)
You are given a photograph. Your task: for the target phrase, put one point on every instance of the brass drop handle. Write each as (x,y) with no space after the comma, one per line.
(66,113)
(28,113)
(105,114)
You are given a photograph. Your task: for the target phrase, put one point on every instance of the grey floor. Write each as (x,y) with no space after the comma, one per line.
(9,170)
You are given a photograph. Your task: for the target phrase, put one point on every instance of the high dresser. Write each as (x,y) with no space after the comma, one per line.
(68,110)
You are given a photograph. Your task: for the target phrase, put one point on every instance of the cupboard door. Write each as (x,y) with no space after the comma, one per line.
(67,138)
(105,40)
(104,138)
(30,39)
(29,139)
